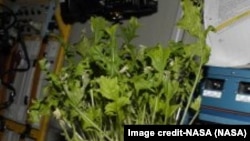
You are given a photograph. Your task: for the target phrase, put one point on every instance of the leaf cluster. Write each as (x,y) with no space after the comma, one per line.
(114,82)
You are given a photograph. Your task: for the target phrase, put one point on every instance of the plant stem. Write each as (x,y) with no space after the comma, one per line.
(193,89)
(92,98)
(143,115)
(66,135)
(194,117)
(90,121)
(155,107)
(166,111)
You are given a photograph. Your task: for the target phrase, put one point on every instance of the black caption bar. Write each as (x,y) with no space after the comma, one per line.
(162,132)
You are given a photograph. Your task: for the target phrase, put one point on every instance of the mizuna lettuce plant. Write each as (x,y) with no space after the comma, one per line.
(113,83)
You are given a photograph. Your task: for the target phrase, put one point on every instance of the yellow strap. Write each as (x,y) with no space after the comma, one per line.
(232,20)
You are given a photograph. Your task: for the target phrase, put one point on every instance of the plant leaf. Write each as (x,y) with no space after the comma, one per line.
(140,83)
(98,25)
(192,24)
(129,31)
(82,47)
(196,104)
(109,87)
(74,91)
(113,108)
(159,56)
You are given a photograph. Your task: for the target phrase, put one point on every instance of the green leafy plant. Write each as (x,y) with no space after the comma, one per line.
(113,83)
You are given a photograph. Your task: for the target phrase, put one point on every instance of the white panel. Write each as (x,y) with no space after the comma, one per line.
(212,94)
(242,98)
(230,44)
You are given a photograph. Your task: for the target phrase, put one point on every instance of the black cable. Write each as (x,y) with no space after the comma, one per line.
(12,14)
(7,20)
(23,47)
(8,85)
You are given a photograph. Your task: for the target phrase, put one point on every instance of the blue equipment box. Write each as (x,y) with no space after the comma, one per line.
(225,95)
